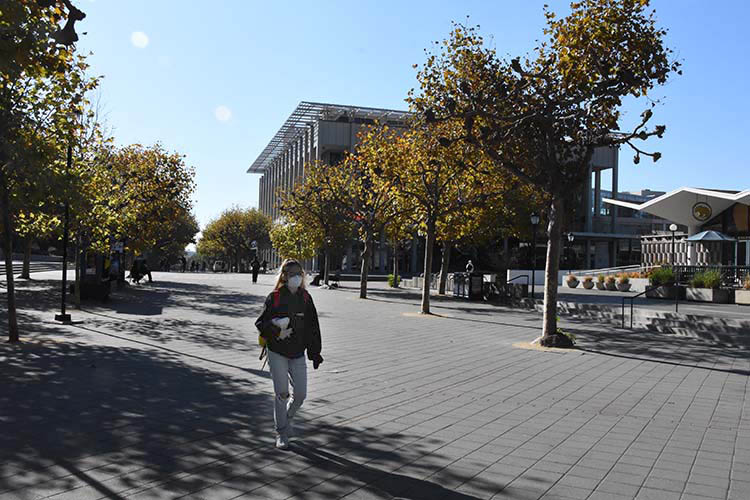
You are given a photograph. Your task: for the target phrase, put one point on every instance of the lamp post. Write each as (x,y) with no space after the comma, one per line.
(534,223)
(64,317)
(673,228)
(570,243)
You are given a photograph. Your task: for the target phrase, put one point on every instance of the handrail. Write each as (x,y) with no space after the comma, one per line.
(648,289)
(519,276)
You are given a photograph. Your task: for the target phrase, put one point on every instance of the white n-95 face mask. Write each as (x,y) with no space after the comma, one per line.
(294,282)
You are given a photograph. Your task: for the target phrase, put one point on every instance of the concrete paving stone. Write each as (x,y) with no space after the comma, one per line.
(664,484)
(605,495)
(687,496)
(622,477)
(610,486)
(654,494)
(705,490)
(517,494)
(569,491)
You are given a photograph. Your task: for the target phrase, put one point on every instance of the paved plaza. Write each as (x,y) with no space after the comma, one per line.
(159,394)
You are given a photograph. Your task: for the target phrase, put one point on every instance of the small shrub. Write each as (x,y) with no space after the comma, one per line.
(661,276)
(698,281)
(600,278)
(611,280)
(712,279)
(623,279)
(570,336)
(589,279)
(571,278)
(394,281)
(746,285)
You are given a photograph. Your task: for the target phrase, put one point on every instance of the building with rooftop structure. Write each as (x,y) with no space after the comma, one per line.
(604,235)
(697,210)
(315,132)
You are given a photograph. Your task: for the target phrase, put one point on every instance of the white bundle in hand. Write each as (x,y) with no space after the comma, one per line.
(283,324)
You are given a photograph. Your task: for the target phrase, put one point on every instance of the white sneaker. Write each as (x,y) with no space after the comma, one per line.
(282,442)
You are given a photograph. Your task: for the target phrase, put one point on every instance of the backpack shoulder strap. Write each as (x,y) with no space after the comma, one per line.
(276,298)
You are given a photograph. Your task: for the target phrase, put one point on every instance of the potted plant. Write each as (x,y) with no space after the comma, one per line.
(623,283)
(600,282)
(742,296)
(588,282)
(611,283)
(662,284)
(572,281)
(706,287)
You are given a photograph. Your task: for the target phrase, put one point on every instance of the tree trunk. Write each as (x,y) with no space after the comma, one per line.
(7,240)
(326,266)
(365,266)
(553,266)
(77,257)
(26,269)
(395,266)
(444,263)
(429,243)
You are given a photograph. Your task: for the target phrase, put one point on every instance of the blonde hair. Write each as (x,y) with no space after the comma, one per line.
(283,269)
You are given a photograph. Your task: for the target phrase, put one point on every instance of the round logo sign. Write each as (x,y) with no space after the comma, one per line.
(702,211)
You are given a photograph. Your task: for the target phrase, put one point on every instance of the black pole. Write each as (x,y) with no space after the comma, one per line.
(533,261)
(672,250)
(63,316)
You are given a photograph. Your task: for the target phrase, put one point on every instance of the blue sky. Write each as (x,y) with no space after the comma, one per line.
(215,80)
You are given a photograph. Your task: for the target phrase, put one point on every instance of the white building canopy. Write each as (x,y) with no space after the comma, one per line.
(691,207)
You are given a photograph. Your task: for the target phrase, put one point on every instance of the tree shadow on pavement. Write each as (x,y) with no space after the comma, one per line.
(112,421)
(375,483)
(660,347)
(151,299)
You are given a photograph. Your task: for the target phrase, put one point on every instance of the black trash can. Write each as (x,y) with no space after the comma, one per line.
(476,282)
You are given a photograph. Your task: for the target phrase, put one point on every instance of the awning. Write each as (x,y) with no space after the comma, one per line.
(710,236)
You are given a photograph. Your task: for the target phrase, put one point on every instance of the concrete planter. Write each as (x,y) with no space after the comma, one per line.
(662,292)
(623,287)
(639,284)
(742,297)
(572,283)
(588,285)
(714,295)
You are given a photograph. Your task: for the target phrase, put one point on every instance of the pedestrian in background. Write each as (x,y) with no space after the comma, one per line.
(255,267)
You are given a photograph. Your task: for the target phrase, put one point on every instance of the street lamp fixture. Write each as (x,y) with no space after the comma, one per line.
(570,243)
(673,228)
(64,317)
(534,223)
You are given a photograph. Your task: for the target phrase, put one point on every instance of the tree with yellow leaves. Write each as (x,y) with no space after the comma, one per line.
(539,118)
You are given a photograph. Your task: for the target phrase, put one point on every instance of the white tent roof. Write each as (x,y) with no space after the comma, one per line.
(677,205)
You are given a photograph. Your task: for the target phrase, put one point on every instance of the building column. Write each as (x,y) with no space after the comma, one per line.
(598,193)
(692,256)
(615,188)
(587,209)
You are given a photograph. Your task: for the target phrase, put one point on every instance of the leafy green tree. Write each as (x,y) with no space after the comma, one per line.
(314,207)
(42,86)
(293,241)
(231,235)
(540,118)
(364,197)
(432,182)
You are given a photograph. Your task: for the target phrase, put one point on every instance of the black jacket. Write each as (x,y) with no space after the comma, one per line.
(303,319)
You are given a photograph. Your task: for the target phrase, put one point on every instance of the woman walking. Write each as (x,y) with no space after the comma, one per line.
(289,325)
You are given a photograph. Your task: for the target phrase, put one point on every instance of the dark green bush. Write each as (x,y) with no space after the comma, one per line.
(394,281)
(661,276)
(707,279)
